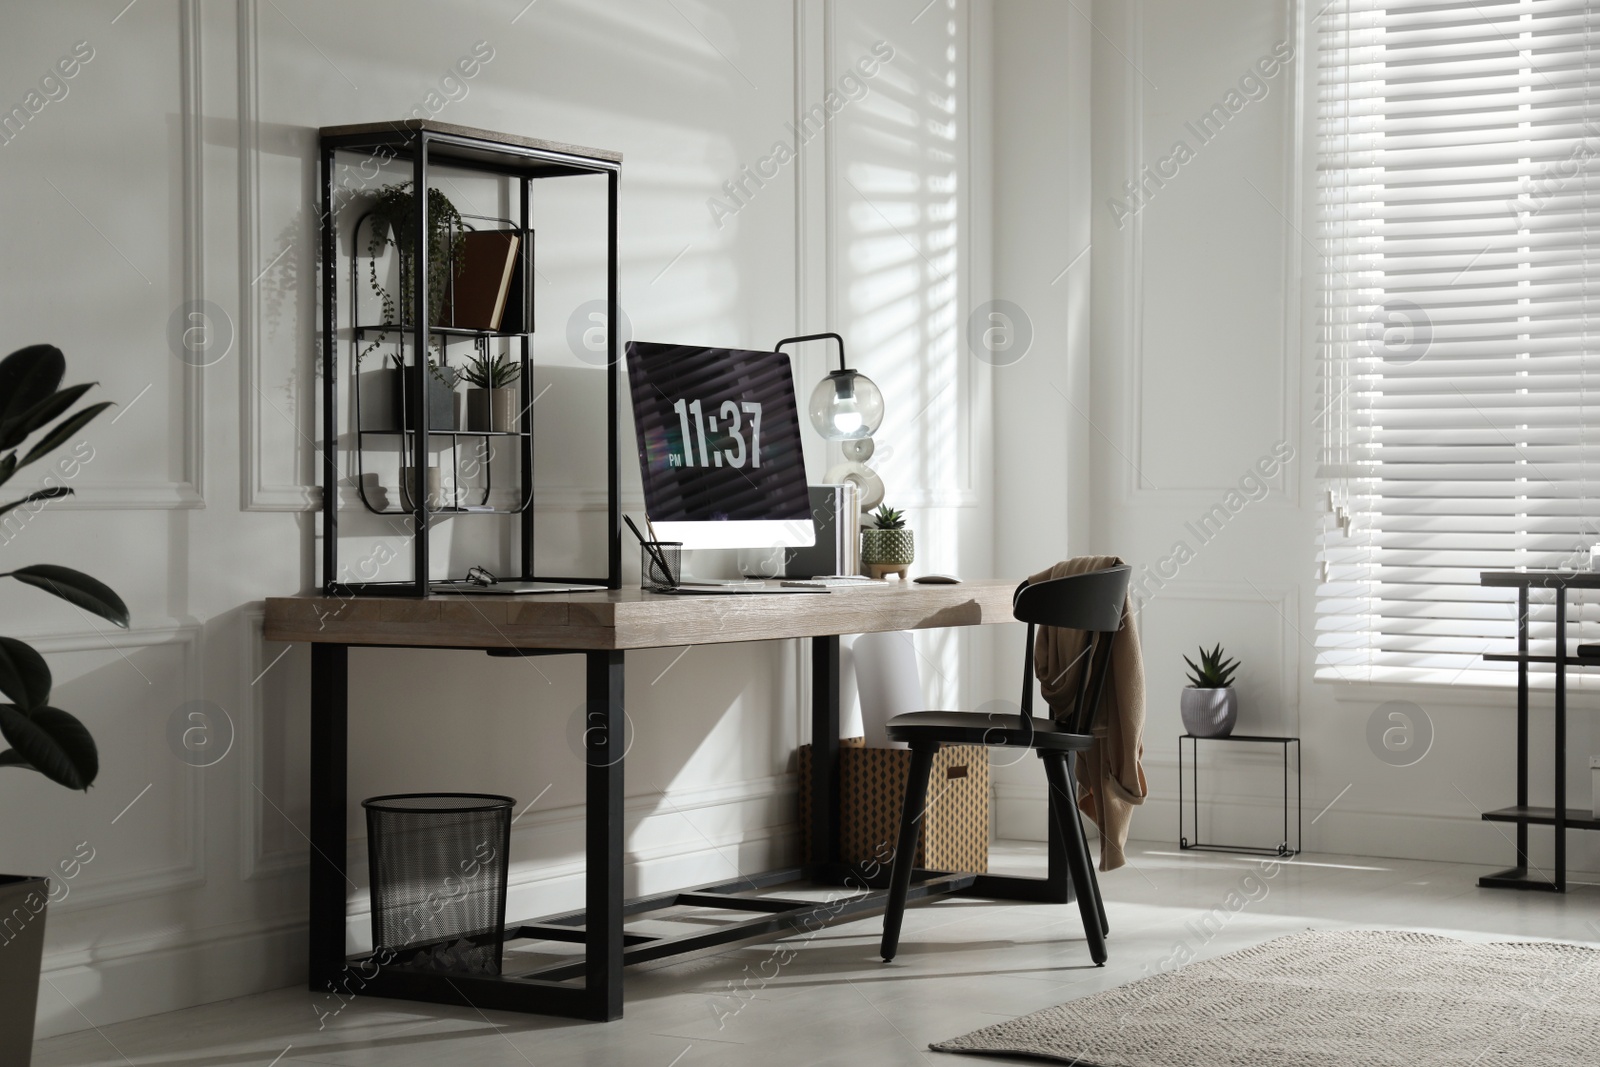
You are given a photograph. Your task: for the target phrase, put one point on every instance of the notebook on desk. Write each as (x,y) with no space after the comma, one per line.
(511,588)
(731,590)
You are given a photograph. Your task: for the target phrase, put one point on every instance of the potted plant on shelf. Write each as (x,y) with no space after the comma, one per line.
(441,395)
(42,737)
(1209,703)
(392,220)
(887,547)
(492,400)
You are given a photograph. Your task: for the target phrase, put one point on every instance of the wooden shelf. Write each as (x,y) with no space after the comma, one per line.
(1577,818)
(1514,657)
(453,433)
(447,331)
(1541,579)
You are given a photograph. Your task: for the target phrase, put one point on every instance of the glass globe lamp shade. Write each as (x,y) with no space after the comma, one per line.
(846,406)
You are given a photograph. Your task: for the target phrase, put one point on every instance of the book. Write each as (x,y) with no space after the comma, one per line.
(518,316)
(483,280)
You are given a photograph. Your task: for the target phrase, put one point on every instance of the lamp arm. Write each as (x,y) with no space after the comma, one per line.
(815,337)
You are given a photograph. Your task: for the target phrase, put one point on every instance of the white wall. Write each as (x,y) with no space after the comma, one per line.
(1043,266)
(1203,363)
(181,167)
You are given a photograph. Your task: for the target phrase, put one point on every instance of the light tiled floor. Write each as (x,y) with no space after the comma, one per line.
(963,964)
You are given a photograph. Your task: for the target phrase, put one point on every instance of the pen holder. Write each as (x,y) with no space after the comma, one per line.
(650,573)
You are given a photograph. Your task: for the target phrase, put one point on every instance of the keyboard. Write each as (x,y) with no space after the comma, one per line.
(831,582)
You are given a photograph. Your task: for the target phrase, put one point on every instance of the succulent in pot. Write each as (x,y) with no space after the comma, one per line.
(1210,704)
(493,397)
(887,547)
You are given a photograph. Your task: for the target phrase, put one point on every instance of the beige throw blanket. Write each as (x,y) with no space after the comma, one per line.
(1110,775)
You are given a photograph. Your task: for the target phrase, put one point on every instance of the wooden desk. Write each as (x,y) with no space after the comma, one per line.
(602,626)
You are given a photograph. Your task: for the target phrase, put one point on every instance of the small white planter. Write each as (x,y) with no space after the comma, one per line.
(493,409)
(1209,712)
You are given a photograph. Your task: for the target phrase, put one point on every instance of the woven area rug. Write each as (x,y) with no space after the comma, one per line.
(1361,998)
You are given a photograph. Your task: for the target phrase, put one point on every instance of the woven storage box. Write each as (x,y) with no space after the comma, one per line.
(872,785)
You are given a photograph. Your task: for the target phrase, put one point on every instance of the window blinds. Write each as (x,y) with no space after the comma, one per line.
(1458,232)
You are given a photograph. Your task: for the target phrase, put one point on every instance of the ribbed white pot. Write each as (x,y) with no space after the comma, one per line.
(1209,712)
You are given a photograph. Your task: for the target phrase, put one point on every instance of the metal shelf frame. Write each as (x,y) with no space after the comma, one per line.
(1559,818)
(426,145)
(1283,848)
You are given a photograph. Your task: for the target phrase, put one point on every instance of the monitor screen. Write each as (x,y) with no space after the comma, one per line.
(719,443)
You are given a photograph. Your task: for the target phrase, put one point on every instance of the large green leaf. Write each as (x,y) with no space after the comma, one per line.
(27,376)
(24,676)
(74,587)
(63,430)
(13,431)
(55,492)
(53,743)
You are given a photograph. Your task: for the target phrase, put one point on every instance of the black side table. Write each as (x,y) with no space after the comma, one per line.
(1283,849)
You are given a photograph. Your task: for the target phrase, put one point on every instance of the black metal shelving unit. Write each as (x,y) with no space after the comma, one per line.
(1560,818)
(428,144)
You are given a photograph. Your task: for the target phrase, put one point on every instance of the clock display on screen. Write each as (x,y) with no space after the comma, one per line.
(719,433)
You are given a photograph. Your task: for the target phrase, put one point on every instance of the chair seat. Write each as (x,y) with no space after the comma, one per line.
(977,728)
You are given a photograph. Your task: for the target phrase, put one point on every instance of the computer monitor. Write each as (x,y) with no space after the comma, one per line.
(719,446)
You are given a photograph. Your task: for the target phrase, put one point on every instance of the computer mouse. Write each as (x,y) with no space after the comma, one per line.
(937,579)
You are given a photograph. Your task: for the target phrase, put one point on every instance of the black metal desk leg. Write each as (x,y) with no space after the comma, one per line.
(1522,725)
(825,751)
(1561,740)
(605,744)
(330,836)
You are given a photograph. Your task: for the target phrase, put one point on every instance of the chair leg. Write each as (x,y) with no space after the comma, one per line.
(905,853)
(1077,824)
(1064,808)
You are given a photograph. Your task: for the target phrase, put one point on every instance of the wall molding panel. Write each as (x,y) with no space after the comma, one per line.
(189,491)
(190,871)
(1137,489)
(1284,600)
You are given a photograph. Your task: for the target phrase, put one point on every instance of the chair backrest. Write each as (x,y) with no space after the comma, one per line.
(1091,602)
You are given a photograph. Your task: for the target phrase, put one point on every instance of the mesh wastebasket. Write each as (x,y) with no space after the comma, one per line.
(438,866)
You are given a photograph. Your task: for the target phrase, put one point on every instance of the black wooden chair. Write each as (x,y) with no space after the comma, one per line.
(1091,602)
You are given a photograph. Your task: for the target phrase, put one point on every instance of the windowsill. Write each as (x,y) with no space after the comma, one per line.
(1471,688)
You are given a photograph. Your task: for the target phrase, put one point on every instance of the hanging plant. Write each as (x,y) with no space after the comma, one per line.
(393,221)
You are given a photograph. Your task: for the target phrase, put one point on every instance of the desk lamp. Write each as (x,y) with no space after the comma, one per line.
(847,407)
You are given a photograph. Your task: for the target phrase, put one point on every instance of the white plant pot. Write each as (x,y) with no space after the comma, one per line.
(1209,712)
(493,409)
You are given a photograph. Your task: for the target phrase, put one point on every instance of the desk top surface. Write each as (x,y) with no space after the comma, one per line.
(631,618)
(1542,579)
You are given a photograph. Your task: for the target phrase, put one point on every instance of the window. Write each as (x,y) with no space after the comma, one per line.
(1458,227)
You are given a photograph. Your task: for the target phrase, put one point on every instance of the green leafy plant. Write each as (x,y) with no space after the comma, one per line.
(887,518)
(487,373)
(1215,671)
(393,221)
(45,738)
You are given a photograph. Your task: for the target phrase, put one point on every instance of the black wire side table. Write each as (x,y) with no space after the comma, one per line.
(1282,849)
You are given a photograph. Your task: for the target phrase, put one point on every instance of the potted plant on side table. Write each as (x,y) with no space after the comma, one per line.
(1210,704)
(887,547)
(43,738)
